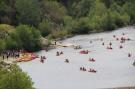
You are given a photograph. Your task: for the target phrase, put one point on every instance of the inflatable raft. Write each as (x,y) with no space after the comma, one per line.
(27,57)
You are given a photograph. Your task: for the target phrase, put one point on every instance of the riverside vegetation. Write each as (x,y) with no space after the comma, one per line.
(24,22)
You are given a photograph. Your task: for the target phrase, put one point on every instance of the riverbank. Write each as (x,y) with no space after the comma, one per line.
(9,60)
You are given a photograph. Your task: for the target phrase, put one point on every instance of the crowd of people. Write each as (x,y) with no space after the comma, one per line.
(10,54)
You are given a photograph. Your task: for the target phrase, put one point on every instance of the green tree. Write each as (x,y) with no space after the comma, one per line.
(45,27)
(29,37)
(119,15)
(53,10)
(13,42)
(107,2)
(14,78)
(130,8)
(6,12)
(97,16)
(81,8)
(81,26)
(2,45)
(28,12)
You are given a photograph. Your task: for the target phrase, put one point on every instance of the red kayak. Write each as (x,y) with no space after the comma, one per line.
(92,59)
(84,52)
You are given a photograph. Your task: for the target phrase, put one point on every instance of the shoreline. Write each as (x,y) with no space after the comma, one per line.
(52,46)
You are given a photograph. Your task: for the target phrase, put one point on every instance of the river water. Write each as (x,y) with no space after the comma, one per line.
(114,67)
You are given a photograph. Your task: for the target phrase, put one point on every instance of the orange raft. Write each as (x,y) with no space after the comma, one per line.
(27,57)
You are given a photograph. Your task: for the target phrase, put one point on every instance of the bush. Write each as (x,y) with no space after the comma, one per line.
(53,10)
(58,34)
(129,7)
(23,37)
(120,17)
(29,37)
(81,26)
(2,45)
(14,78)
(45,27)
(13,42)
(27,12)
(5,30)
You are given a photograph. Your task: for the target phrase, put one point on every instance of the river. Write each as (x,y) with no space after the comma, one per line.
(114,67)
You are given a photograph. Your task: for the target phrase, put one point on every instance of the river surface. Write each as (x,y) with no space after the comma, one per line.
(114,67)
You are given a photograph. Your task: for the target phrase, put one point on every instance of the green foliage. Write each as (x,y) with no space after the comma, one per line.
(2,45)
(102,18)
(58,34)
(81,8)
(6,27)
(21,37)
(58,18)
(5,30)
(6,12)
(29,37)
(130,9)
(69,23)
(28,12)
(14,78)
(53,11)
(45,27)
(81,26)
(119,16)
(13,42)
(97,16)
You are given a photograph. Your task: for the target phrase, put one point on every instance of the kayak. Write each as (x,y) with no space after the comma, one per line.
(84,52)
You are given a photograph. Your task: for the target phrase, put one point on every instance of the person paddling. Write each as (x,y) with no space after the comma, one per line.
(90,41)
(121,47)
(110,44)
(123,34)
(57,53)
(114,36)
(61,52)
(66,60)
(41,59)
(103,43)
(129,54)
